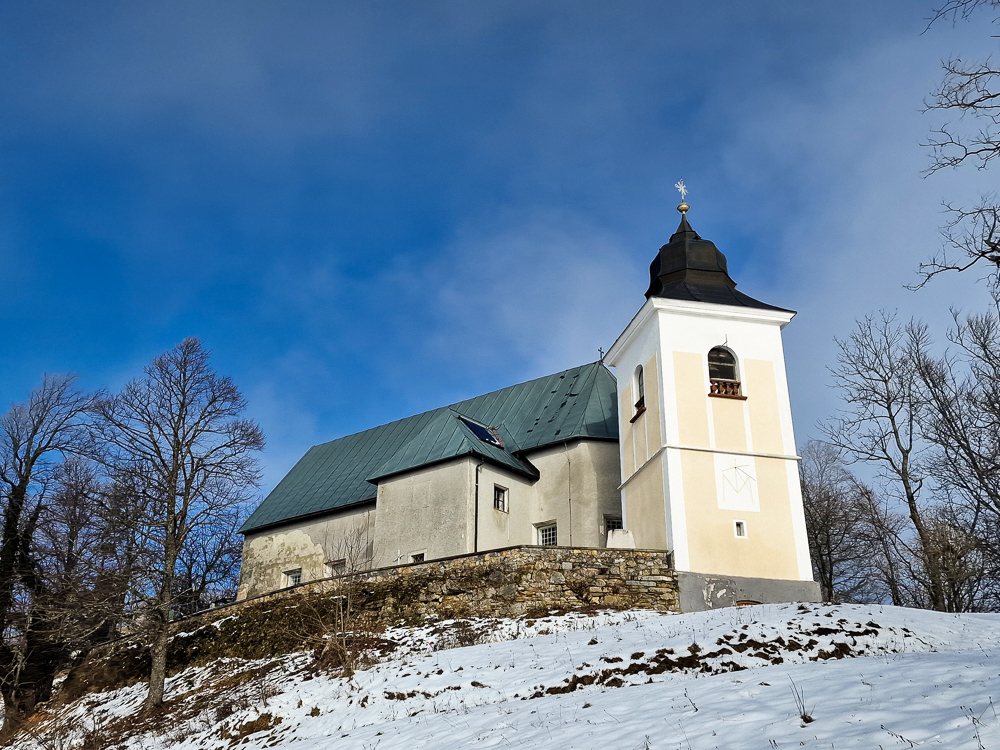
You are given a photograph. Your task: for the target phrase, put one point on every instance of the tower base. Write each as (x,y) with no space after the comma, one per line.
(701,591)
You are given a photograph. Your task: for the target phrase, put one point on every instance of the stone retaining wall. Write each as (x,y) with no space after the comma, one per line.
(509,582)
(500,583)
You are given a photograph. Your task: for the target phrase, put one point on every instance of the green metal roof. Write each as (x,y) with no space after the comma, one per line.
(576,403)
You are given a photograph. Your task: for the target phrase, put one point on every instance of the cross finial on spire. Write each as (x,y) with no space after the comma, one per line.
(682,189)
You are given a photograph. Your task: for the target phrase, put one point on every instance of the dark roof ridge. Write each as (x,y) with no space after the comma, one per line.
(456,403)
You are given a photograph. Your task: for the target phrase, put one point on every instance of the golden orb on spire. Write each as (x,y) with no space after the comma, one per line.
(683,208)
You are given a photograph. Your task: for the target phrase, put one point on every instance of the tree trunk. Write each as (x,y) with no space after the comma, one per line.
(161,634)
(158,668)
(928,551)
(33,682)
(10,547)
(34,686)
(13,717)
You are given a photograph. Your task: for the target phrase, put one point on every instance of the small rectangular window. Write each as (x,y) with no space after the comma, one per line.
(740,527)
(613,523)
(417,558)
(548,535)
(293,577)
(500,497)
(336,567)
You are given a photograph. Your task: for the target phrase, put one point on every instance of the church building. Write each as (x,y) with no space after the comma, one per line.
(689,450)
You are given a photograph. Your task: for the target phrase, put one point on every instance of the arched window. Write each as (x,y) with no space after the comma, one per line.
(722,373)
(640,392)
(721,364)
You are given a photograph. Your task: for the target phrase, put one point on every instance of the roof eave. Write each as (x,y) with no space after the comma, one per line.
(649,308)
(304,517)
(523,454)
(531,474)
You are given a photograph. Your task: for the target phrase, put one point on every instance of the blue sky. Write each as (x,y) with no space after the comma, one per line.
(370,209)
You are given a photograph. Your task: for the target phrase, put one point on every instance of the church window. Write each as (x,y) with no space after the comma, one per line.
(336,567)
(548,535)
(417,558)
(500,499)
(722,375)
(293,577)
(613,523)
(740,528)
(640,392)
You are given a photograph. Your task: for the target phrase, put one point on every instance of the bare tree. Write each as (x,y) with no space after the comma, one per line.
(963,392)
(860,546)
(830,497)
(967,572)
(883,531)
(971,90)
(964,421)
(880,386)
(86,551)
(35,437)
(352,550)
(178,445)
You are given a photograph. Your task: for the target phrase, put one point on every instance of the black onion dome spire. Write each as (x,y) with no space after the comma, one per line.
(691,268)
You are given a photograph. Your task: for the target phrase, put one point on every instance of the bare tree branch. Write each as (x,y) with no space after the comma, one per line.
(953,10)
(970,90)
(971,237)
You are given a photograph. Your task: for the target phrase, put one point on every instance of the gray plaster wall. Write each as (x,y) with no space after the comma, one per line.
(426,511)
(577,487)
(309,544)
(701,591)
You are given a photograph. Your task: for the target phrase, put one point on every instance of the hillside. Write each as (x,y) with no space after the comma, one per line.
(868,677)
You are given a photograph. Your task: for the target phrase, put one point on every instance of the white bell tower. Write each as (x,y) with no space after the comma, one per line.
(708,462)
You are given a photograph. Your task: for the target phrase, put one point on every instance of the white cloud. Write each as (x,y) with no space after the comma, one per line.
(546,287)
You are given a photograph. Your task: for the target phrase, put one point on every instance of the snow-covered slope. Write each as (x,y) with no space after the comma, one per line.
(864,677)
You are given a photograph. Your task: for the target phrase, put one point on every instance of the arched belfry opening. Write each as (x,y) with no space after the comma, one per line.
(721,364)
(723,373)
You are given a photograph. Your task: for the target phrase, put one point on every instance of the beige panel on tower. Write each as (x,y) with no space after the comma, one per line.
(691,398)
(765,424)
(730,425)
(638,429)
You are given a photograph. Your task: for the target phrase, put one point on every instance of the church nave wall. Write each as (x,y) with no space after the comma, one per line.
(308,546)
